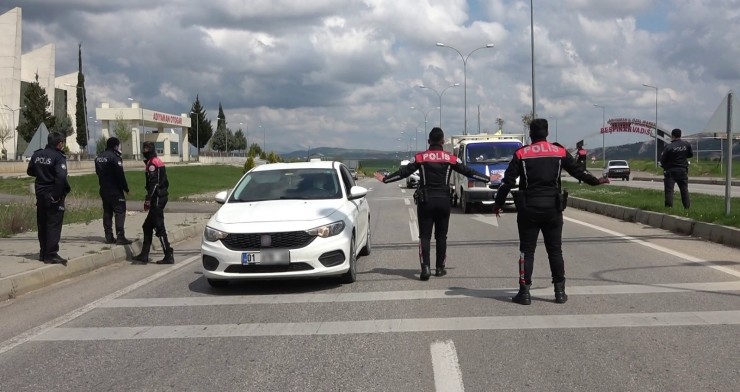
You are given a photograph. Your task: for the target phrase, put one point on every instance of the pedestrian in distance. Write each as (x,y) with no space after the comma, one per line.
(675,163)
(49,167)
(581,155)
(432,197)
(113,190)
(157,186)
(540,204)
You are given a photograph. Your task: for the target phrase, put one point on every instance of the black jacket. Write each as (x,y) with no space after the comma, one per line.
(109,168)
(156,183)
(435,168)
(676,155)
(49,166)
(538,166)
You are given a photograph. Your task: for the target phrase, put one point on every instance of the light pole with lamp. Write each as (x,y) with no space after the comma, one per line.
(197,132)
(656,121)
(603,133)
(465,76)
(12,117)
(440,98)
(416,137)
(531,33)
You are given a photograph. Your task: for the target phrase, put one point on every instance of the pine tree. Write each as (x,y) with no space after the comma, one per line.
(240,142)
(63,125)
(221,124)
(201,130)
(35,111)
(81,108)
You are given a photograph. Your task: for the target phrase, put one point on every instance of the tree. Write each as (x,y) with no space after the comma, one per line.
(272,157)
(249,164)
(254,150)
(500,123)
(221,124)
(263,156)
(6,133)
(218,141)
(81,108)
(35,111)
(526,119)
(100,145)
(201,130)
(240,142)
(63,125)
(121,130)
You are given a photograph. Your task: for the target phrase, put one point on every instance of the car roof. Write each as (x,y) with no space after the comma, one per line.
(297,165)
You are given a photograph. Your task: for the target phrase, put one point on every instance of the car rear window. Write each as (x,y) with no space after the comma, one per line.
(618,163)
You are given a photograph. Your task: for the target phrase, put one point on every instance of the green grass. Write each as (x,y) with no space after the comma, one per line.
(21,217)
(696,169)
(704,208)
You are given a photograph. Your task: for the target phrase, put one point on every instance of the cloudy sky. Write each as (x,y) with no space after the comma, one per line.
(344,73)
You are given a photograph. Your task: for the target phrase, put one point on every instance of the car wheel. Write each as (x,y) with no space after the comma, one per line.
(217,283)
(466,207)
(351,275)
(365,251)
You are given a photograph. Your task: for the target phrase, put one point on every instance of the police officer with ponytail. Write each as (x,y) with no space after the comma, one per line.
(540,204)
(433,197)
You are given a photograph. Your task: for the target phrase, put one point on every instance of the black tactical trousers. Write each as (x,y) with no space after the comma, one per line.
(433,213)
(680,177)
(49,219)
(113,205)
(155,222)
(532,220)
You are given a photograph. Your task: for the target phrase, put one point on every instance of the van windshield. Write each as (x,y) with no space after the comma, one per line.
(491,152)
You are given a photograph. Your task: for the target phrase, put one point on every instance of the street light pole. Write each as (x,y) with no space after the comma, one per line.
(440,98)
(656,121)
(603,133)
(416,134)
(465,76)
(531,33)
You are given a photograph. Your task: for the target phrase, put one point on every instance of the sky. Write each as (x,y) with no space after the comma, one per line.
(302,74)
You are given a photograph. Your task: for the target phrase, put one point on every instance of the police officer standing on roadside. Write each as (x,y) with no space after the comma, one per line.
(540,204)
(675,163)
(581,155)
(49,166)
(113,187)
(157,187)
(433,197)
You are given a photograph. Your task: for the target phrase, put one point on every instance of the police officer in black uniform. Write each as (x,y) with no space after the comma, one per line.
(581,155)
(675,163)
(157,187)
(113,187)
(433,197)
(540,204)
(49,166)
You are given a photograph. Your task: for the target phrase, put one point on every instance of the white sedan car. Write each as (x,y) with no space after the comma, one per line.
(288,220)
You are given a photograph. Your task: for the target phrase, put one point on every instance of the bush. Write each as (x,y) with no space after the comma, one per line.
(249,164)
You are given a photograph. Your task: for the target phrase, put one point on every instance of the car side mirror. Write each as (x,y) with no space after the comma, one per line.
(357,192)
(221,197)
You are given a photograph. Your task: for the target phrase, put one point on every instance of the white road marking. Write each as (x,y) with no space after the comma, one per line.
(447,374)
(413,224)
(403,190)
(666,319)
(31,334)
(717,287)
(407,201)
(487,219)
(659,248)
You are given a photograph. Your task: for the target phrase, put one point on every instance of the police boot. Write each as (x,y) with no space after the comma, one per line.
(109,239)
(122,240)
(523,297)
(560,296)
(426,272)
(169,257)
(143,257)
(440,271)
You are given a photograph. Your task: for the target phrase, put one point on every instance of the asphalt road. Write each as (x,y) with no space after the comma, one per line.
(708,189)
(648,311)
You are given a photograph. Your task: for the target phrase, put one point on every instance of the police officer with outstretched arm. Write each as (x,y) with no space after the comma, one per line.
(49,166)
(157,192)
(540,204)
(113,187)
(675,163)
(433,197)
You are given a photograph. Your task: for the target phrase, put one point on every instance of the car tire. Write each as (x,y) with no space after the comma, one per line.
(365,251)
(351,275)
(466,207)
(217,283)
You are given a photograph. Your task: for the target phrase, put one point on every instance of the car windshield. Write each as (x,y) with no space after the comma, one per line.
(491,152)
(617,163)
(303,184)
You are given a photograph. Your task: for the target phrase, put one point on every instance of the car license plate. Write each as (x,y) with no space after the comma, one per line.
(267,257)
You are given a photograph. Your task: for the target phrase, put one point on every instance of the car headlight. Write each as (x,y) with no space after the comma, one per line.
(212,235)
(329,230)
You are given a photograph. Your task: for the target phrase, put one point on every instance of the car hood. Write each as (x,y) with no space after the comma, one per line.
(276,211)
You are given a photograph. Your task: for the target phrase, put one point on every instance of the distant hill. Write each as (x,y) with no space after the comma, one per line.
(343,154)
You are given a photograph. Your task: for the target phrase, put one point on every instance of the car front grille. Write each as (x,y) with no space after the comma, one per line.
(263,269)
(252,241)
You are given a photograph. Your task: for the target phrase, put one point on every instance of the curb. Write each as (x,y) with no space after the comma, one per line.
(720,234)
(692,180)
(25,282)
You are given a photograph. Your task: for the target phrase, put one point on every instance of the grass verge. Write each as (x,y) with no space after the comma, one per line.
(20,217)
(704,208)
